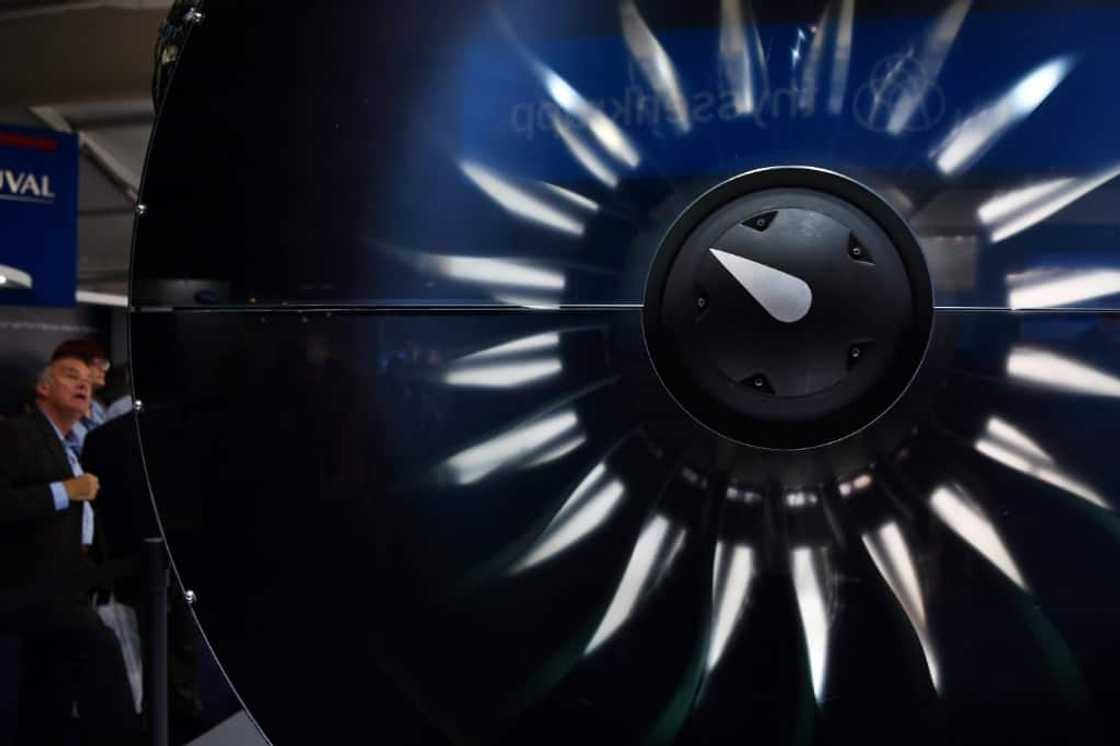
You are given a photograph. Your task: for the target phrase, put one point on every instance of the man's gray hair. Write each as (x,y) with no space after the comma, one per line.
(44,378)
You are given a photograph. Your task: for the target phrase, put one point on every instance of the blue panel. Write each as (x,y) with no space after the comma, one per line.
(508,110)
(38,217)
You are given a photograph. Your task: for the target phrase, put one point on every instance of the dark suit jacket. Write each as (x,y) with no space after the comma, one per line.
(125,516)
(37,543)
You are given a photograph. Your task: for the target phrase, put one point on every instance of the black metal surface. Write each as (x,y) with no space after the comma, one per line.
(336,460)
(388,335)
(155,642)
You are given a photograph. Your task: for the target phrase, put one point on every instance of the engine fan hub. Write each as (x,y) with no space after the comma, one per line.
(788,308)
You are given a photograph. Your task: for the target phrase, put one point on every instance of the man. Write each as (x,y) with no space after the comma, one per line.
(117,393)
(46,531)
(93,355)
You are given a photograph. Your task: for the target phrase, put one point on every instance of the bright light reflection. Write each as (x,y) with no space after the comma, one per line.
(814,614)
(892,558)
(966,520)
(12,277)
(1012,448)
(608,134)
(1003,455)
(515,363)
(584,154)
(842,57)
(654,63)
(972,138)
(654,553)
(800,499)
(503,376)
(937,47)
(742,495)
(560,451)
(1012,436)
(859,483)
(1003,206)
(795,50)
(533,302)
(1011,213)
(694,477)
(588,507)
(891,82)
(533,343)
(519,444)
(493,271)
(1040,471)
(575,198)
(1064,290)
(509,281)
(1061,373)
(519,201)
(740,49)
(732,573)
(813,63)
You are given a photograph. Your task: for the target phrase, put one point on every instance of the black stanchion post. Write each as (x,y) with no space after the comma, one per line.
(155,642)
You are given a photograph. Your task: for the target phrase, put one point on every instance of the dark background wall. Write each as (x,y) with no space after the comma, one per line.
(29,335)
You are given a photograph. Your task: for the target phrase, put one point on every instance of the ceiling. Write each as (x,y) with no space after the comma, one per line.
(86,67)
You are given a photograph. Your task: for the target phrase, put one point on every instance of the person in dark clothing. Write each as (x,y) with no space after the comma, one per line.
(46,537)
(127,517)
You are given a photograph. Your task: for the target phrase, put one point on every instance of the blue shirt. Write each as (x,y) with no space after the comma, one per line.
(95,418)
(121,406)
(71,444)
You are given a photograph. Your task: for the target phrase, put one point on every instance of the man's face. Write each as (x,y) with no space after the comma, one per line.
(68,386)
(97,368)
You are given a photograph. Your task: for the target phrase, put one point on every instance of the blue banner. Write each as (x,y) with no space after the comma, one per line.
(527,110)
(38,217)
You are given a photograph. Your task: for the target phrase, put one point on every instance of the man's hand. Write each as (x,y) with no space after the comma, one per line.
(82,488)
